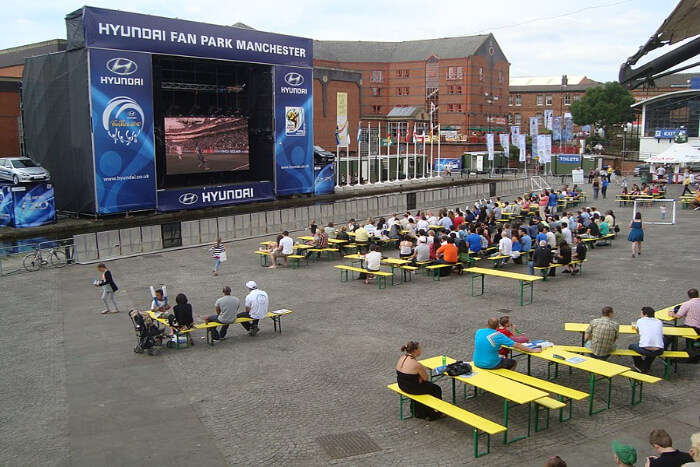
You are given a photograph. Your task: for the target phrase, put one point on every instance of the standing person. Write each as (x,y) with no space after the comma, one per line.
(668,456)
(256,305)
(604,187)
(636,235)
(651,340)
(226,309)
(218,252)
(596,186)
(109,287)
(542,203)
(687,182)
(413,378)
(601,334)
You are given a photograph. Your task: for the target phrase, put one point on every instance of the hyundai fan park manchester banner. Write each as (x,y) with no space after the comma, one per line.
(202,197)
(122,130)
(155,34)
(294,130)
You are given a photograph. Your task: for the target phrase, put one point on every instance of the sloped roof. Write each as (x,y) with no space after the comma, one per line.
(545,80)
(16,55)
(405,51)
(676,80)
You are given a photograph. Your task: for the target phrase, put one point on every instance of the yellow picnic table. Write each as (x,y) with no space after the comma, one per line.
(307,238)
(526,280)
(663,315)
(509,390)
(438,227)
(598,370)
(335,241)
(687,333)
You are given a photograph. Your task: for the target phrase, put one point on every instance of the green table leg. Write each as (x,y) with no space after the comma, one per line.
(477,275)
(506,406)
(478,454)
(593,380)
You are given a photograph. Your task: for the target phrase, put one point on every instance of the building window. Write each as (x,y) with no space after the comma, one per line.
(510,118)
(376,92)
(540,100)
(376,77)
(518,99)
(577,98)
(510,100)
(458,107)
(402,91)
(403,73)
(481,73)
(548,100)
(376,109)
(455,72)
(500,76)
(567,99)
(517,119)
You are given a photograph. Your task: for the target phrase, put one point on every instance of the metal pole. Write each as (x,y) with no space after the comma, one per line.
(431,143)
(398,148)
(415,155)
(405,169)
(337,166)
(379,150)
(347,166)
(369,152)
(438,164)
(359,157)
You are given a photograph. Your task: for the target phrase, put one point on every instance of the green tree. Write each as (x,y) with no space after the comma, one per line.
(604,106)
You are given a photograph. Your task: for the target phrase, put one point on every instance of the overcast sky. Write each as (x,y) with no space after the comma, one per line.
(588,38)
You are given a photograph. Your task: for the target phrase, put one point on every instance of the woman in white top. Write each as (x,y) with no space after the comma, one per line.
(651,340)
(405,247)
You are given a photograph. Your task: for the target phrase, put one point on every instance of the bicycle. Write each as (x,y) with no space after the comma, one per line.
(36,260)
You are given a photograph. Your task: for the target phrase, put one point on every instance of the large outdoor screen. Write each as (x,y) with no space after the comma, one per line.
(206,144)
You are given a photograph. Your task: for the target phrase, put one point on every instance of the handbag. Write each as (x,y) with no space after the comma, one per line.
(222,256)
(617,229)
(458,368)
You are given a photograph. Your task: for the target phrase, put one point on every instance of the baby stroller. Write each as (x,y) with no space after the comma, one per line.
(148,335)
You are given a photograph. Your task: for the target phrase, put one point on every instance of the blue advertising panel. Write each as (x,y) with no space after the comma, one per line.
(202,197)
(122,128)
(132,31)
(666,133)
(569,159)
(324,180)
(294,154)
(455,165)
(6,206)
(34,205)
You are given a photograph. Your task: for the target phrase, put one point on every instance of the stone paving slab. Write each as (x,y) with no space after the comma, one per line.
(74,393)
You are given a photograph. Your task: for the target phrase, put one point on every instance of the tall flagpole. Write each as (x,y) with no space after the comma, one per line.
(369,152)
(337,166)
(423,144)
(431,141)
(415,155)
(398,148)
(405,166)
(359,157)
(438,149)
(379,150)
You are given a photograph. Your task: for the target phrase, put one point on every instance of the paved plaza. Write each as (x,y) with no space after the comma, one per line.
(74,393)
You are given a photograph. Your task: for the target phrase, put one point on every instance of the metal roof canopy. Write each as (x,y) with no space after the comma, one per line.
(681,24)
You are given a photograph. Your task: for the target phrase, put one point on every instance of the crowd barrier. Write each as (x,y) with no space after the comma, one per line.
(114,244)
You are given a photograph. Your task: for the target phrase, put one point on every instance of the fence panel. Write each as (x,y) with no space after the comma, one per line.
(226,229)
(108,244)
(130,241)
(208,230)
(241,225)
(190,233)
(85,247)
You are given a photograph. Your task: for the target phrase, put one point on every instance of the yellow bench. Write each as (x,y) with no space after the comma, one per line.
(294,260)
(566,394)
(435,269)
(381,275)
(668,356)
(274,315)
(477,422)
(526,280)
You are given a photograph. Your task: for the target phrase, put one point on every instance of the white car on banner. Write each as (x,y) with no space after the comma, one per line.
(21,170)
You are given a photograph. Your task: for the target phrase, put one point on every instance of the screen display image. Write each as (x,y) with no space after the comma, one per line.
(206,144)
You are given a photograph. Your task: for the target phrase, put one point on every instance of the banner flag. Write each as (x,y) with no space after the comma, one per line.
(541,148)
(522,146)
(533,126)
(556,128)
(342,133)
(548,119)
(489,145)
(503,139)
(515,130)
(548,147)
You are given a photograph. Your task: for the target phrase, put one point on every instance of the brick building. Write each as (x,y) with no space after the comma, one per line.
(466,78)
(531,96)
(11,66)
(666,84)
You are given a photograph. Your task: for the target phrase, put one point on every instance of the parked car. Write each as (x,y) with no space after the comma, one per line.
(21,170)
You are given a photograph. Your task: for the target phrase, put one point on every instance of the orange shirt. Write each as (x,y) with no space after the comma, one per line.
(449,250)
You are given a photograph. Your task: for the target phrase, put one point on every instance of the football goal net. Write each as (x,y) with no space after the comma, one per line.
(656,211)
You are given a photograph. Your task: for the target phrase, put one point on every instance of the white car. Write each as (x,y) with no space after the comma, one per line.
(22,170)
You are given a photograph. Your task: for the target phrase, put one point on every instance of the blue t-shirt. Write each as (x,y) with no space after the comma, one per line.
(532,230)
(446,223)
(474,241)
(516,246)
(541,236)
(526,242)
(487,343)
(552,199)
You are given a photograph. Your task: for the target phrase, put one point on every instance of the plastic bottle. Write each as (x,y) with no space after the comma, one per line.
(444,360)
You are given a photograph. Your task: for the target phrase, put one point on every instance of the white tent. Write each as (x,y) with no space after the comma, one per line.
(677,153)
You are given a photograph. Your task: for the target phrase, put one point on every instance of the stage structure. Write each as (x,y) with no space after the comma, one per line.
(144,112)
(388,152)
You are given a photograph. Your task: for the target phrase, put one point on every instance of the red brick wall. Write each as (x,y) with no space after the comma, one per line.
(529,107)
(9,123)
(324,127)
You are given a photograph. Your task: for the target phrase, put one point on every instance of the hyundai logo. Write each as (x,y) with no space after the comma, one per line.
(294,79)
(122,66)
(188,198)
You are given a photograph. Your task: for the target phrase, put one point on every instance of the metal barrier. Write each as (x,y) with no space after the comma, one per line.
(12,258)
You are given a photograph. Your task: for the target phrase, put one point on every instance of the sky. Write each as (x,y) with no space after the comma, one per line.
(539,37)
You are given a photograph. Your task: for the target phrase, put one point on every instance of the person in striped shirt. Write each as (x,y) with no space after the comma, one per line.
(217,251)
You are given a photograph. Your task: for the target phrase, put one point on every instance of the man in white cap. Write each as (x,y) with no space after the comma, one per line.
(256,305)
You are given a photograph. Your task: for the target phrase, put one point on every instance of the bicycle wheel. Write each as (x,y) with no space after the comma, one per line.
(57,259)
(31,262)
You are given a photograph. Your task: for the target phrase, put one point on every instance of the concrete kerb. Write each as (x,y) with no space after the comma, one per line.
(431,200)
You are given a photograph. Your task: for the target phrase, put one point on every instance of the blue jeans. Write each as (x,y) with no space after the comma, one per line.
(531,267)
(648,356)
(217,263)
